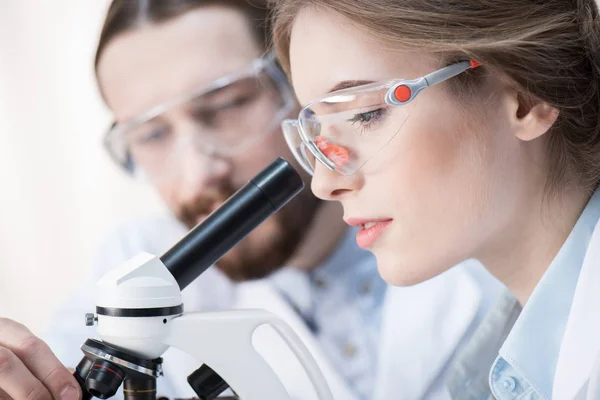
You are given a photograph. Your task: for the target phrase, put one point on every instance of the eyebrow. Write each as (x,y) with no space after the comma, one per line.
(348,84)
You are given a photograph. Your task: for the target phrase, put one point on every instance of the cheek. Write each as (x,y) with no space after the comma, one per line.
(256,157)
(244,167)
(439,158)
(438,185)
(170,193)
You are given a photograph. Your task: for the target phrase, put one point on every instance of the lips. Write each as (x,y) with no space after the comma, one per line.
(370,230)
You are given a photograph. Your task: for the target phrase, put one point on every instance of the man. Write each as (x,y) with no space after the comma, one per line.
(197,107)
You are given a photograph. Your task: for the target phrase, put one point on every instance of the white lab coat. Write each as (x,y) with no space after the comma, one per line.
(422,326)
(577,373)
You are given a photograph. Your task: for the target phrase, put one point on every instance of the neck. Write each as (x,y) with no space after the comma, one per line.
(540,230)
(322,237)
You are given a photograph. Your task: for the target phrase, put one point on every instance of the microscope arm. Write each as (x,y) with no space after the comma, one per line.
(226,347)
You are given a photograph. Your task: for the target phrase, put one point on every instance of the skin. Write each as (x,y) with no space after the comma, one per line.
(464,177)
(138,70)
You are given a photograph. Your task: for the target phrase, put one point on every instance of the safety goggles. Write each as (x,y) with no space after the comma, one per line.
(345,129)
(223,118)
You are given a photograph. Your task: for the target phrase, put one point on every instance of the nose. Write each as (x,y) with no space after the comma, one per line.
(333,186)
(200,168)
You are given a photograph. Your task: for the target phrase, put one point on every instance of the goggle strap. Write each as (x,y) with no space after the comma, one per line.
(405,91)
(450,71)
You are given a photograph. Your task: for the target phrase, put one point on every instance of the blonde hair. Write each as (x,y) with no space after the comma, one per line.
(549,49)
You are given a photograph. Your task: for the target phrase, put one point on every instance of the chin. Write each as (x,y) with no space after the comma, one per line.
(400,271)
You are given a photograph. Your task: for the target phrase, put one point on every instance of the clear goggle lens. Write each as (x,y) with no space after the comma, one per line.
(344,131)
(225,118)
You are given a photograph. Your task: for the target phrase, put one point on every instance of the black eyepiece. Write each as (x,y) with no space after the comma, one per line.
(260,198)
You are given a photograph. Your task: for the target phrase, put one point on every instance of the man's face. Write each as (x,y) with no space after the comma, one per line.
(184,151)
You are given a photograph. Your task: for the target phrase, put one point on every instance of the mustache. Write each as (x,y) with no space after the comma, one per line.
(204,203)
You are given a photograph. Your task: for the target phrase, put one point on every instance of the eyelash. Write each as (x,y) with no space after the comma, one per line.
(367,119)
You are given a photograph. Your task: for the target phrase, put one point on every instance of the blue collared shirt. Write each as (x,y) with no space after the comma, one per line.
(527,360)
(341,302)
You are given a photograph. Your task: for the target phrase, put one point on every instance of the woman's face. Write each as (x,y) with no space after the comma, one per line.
(450,183)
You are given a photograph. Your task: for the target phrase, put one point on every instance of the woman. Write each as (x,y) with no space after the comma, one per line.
(197,112)
(465,129)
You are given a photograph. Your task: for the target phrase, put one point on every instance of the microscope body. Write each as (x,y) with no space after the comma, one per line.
(139,311)
(140,314)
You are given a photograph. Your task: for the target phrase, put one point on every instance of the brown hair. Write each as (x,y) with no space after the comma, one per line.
(549,49)
(125,15)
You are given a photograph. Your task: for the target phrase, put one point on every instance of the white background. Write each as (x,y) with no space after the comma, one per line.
(59,192)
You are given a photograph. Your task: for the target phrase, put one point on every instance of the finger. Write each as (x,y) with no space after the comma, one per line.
(39,359)
(17,381)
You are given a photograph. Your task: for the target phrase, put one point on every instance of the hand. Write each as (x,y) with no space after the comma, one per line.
(29,369)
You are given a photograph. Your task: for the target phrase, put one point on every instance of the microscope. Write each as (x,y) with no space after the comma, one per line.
(139,312)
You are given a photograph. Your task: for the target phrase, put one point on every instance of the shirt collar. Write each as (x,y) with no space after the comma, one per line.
(533,344)
(347,262)
(469,373)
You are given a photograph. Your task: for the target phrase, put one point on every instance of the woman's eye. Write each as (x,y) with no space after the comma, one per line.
(367,119)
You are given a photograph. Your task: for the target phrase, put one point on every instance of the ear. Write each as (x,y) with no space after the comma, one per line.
(531,117)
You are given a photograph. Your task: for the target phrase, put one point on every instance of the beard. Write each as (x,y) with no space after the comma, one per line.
(267,248)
